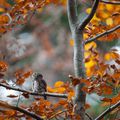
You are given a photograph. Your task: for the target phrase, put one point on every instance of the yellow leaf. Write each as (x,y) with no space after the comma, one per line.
(90,64)
(107,56)
(89,45)
(95,18)
(59,84)
(85,36)
(103,14)
(49,89)
(109,21)
(88,10)
(60,90)
(70,95)
(2,10)
(71,42)
(109,7)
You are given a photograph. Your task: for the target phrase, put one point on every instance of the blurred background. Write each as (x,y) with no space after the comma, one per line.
(44,45)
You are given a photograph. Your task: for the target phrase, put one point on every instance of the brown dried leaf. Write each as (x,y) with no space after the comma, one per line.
(87,106)
(106,100)
(26,95)
(20,81)
(117,61)
(74,80)
(12,96)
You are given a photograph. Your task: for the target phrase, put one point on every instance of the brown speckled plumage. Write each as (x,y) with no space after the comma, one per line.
(39,84)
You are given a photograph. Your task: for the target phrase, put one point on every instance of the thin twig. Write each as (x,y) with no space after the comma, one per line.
(102,34)
(18,101)
(108,111)
(90,16)
(111,2)
(58,113)
(90,118)
(35,94)
(31,114)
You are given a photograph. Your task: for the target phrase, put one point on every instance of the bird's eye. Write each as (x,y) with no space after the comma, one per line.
(35,74)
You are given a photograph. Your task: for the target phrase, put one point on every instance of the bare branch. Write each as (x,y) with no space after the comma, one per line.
(111,2)
(72,12)
(61,112)
(102,34)
(90,16)
(58,113)
(108,111)
(35,94)
(90,118)
(31,114)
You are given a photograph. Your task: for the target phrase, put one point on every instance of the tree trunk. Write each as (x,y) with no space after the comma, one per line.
(79,69)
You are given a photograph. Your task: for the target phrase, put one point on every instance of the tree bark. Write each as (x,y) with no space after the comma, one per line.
(79,69)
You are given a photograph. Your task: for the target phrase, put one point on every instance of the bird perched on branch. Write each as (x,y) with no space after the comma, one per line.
(39,84)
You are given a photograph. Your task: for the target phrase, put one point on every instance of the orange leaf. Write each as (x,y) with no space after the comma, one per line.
(58,84)
(70,95)
(27,74)
(62,102)
(115,99)
(3,66)
(86,82)
(60,90)
(20,81)
(10,113)
(106,100)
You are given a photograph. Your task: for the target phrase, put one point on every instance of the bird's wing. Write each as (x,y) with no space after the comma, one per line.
(45,84)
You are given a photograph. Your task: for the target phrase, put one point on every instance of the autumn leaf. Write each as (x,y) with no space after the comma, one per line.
(3,66)
(27,74)
(20,81)
(74,80)
(49,89)
(26,95)
(106,100)
(117,61)
(21,76)
(58,84)
(70,95)
(12,96)
(60,90)
(9,113)
(115,99)
(87,106)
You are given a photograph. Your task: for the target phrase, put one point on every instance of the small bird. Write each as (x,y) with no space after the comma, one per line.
(39,84)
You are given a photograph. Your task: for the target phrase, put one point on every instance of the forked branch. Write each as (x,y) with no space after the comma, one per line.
(35,94)
(72,12)
(90,16)
(102,34)
(108,111)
